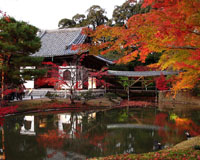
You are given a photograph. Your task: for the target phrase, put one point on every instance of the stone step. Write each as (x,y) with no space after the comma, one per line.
(40,93)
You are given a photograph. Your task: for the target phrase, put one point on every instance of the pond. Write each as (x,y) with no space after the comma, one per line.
(81,135)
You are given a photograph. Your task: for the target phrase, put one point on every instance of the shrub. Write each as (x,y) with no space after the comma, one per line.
(87,95)
(110,96)
(51,96)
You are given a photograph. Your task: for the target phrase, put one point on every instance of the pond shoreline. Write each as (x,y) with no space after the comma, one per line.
(45,104)
(180,151)
(183,97)
(62,105)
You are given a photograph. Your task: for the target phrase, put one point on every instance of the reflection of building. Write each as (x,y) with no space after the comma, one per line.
(92,115)
(70,124)
(63,120)
(55,154)
(42,122)
(28,127)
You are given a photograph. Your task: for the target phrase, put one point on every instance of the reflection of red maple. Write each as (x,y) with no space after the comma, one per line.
(185,124)
(51,154)
(98,141)
(161,120)
(77,132)
(179,127)
(126,103)
(95,140)
(52,139)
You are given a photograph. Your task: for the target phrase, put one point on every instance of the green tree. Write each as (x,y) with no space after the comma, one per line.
(127,82)
(122,13)
(80,20)
(96,16)
(119,16)
(16,75)
(18,39)
(66,23)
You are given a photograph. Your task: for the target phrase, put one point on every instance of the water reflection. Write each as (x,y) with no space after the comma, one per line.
(80,135)
(69,124)
(176,126)
(28,127)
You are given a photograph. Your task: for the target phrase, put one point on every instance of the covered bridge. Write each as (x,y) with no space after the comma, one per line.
(139,80)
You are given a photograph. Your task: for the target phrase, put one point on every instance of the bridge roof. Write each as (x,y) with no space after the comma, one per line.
(140,73)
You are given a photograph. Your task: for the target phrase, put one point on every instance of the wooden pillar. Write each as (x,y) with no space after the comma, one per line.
(3,144)
(2,86)
(142,83)
(81,77)
(92,79)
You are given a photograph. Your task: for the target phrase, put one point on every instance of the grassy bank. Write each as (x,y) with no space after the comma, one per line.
(186,150)
(46,103)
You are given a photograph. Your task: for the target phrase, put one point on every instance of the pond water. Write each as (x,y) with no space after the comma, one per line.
(81,135)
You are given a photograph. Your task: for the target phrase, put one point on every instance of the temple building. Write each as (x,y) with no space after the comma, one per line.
(74,66)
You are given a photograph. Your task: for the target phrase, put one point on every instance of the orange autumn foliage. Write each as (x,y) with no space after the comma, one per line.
(171,27)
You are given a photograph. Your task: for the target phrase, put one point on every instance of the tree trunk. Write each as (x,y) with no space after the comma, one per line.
(3,144)
(5,61)
(2,87)
(71,97)
(72,100)
(128,94)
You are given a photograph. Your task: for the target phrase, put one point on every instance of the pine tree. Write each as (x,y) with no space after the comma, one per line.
(18,40)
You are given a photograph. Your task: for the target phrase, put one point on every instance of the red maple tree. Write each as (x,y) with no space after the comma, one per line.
(171,27)
(77,77)
(162,83)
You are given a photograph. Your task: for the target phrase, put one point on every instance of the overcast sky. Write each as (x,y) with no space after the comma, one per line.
(45,14)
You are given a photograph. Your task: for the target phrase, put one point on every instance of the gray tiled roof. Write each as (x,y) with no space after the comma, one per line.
(58,42)
(105,60)
(140,73)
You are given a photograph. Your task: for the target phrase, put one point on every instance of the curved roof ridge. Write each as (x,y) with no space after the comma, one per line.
(64,29)
(41,33)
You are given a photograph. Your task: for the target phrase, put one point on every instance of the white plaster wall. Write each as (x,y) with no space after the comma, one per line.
(29,84)
(91,82)
(72,83)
